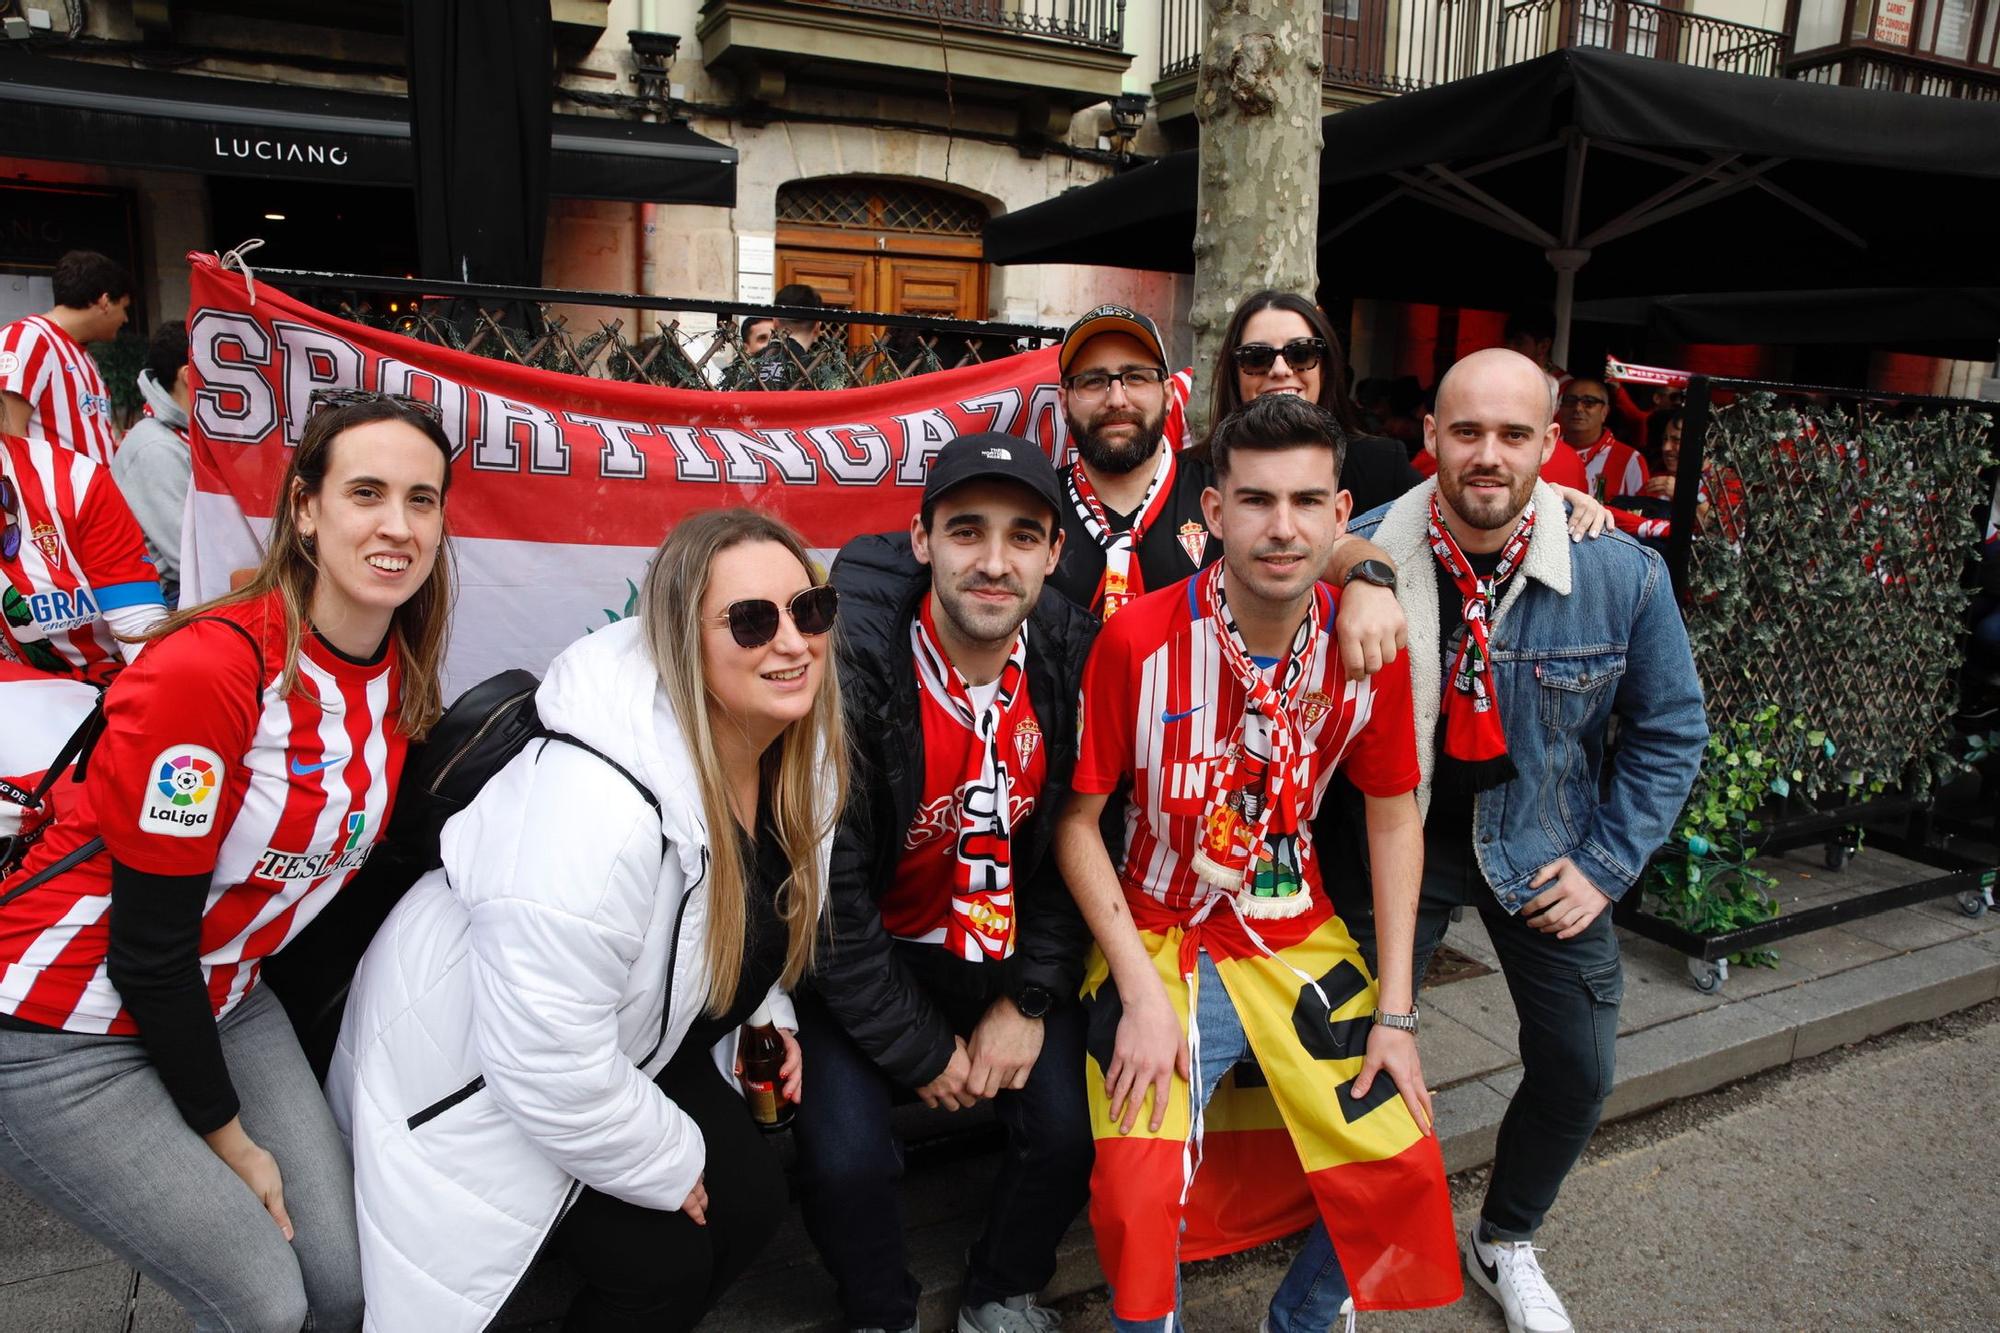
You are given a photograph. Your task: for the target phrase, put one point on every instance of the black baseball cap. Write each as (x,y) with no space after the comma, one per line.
(991,455)
(1110,319)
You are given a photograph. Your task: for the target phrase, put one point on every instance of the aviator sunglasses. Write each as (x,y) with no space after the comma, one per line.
(325,398)
(10,539)
(753,622)
(1299,354)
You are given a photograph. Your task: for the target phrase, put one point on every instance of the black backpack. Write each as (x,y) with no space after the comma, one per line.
(475,738)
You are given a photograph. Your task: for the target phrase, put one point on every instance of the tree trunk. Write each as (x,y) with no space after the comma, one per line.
(1257,214)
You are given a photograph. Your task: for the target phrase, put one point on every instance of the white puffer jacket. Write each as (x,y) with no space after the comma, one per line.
(504,1029)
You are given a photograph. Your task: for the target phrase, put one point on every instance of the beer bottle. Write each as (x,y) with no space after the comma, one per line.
(760,1054)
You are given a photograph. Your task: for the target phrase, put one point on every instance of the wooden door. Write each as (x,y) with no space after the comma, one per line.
(896,284)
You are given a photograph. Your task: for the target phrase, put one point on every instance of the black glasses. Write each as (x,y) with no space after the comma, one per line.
(753,622)
(324,398)
(1583,400)
(1097,383)
(10,539)
(1299,354)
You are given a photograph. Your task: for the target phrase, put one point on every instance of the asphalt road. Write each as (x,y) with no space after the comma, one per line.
(1857,1190)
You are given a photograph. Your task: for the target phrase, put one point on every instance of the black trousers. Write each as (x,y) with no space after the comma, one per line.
(1566,995)
(850,1161)
(646,1269)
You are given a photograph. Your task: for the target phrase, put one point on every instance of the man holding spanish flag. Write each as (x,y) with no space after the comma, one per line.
(1221,699)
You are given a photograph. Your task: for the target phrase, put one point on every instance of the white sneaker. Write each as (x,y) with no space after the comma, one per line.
(1509,1272)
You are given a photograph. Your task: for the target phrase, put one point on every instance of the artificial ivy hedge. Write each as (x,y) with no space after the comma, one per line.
(1826,618)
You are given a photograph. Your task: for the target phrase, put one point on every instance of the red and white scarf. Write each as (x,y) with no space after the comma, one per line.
(1250,834)
(1475,745)
(982,877)
(1122,580)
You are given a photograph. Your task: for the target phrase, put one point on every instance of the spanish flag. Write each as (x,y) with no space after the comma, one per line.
(1278,1144)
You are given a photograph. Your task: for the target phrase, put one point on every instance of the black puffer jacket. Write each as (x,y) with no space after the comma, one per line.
(876,986)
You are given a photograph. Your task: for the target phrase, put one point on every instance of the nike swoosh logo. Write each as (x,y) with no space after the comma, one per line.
(302,770)
(1492,1271)
(1182,717)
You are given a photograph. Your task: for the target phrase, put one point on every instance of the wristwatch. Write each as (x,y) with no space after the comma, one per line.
(1400,1022)
(1378,572)
(1034,1001)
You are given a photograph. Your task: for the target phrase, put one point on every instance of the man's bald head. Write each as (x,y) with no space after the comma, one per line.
(1497,374)
(1490,433)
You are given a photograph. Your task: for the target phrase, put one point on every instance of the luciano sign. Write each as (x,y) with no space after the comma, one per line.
(243,148)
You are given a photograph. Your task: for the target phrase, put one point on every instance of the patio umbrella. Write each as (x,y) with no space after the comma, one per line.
(1595,173)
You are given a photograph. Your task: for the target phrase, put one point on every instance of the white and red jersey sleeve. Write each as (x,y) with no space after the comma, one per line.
(166,781)
(1174,430)
(68,403)
(1382,758)
(82,556)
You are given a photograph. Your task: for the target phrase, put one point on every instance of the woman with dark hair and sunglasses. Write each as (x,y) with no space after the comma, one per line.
(538,1045)
(1280,342)
(150,1090)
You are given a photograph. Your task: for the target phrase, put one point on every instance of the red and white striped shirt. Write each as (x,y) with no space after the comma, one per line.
(82,555)
(1614,467)
(203,769)
(1160,705)
(69,404)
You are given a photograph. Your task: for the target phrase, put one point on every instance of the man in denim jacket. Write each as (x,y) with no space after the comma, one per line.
(1526,821)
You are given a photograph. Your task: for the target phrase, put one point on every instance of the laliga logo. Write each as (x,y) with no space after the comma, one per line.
(180,801)
(186,780)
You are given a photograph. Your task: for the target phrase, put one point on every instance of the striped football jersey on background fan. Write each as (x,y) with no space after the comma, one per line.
(58,378)
(81,554)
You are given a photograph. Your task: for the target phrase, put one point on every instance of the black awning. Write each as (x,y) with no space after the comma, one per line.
(1957,322)
(72,111)
(1689,180)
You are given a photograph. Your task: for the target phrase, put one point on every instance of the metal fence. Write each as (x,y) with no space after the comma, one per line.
(1820,539)
(1081,22)
(690,344)
(1398,46)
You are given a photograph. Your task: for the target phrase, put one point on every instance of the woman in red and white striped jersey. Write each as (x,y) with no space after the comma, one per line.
(149,1089)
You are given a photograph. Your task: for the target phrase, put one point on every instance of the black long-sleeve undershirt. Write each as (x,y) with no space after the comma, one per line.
(155,962)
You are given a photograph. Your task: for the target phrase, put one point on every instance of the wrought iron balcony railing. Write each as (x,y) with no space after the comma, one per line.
(1395,46)
(1095,23)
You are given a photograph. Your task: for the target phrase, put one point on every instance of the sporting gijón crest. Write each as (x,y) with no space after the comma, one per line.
(1194,540)
(1026,737)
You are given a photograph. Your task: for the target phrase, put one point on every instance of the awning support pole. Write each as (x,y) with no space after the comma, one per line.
(1568,257)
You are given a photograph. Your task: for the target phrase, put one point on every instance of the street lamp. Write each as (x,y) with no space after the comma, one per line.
(653,57)
(1128,113)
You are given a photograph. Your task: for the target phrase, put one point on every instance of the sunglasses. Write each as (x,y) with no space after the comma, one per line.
(1583,400)
(1299,354)
(753,622)
(10,539)
(324,398)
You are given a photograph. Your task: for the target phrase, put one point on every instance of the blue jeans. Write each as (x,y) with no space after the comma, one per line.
(1314,1289)
(87,1128)
(1566,994)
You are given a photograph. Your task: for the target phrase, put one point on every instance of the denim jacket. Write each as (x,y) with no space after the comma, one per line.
(1582,632)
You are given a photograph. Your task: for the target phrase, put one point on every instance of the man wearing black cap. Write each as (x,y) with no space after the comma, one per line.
(1131,505)
(955,953)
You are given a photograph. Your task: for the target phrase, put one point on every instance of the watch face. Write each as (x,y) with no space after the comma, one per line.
(1034,1001)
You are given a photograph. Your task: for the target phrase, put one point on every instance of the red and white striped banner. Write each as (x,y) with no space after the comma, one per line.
(1628,373)
(562,485)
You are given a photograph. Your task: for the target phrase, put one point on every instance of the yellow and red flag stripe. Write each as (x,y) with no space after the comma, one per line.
(1275,1149)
